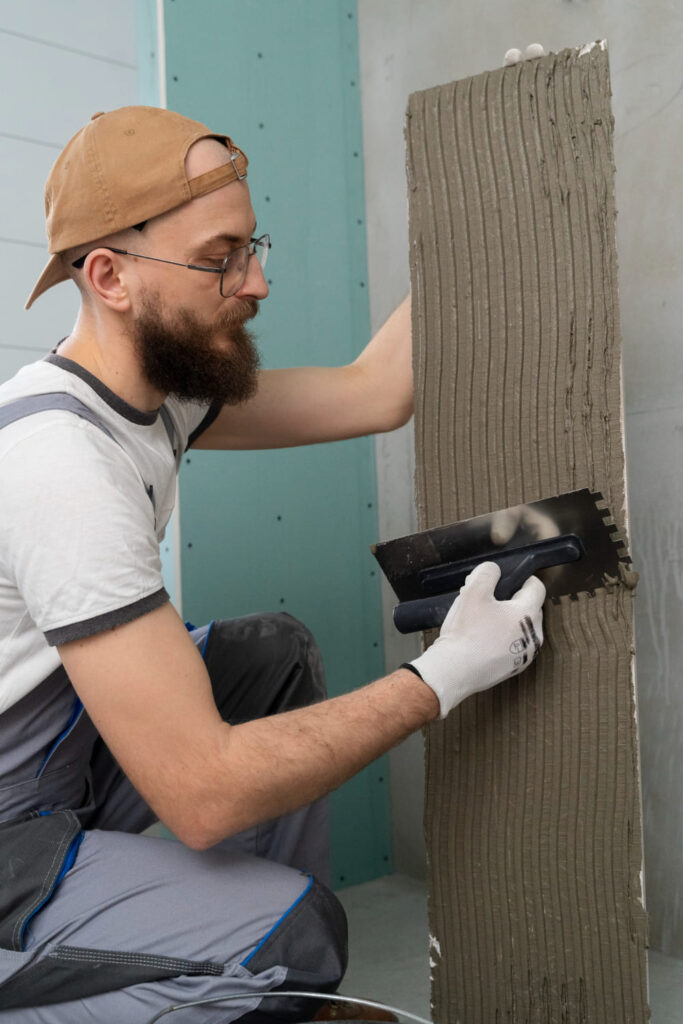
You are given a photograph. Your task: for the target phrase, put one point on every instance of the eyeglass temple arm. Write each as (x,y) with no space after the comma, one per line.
(253,242)
(78,264)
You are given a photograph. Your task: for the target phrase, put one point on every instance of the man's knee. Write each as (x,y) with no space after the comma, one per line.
(311,943)
(298,639)
(262,664)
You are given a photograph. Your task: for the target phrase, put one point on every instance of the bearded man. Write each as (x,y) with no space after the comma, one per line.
(113,714)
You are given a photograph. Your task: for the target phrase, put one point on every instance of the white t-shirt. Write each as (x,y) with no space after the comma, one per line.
(79,531)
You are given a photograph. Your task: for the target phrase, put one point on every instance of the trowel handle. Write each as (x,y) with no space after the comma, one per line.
(516,567)
(423,613)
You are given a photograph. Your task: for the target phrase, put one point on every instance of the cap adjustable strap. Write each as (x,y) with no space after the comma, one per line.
(235,170)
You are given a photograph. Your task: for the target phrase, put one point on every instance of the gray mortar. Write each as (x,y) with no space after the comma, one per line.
(533,817)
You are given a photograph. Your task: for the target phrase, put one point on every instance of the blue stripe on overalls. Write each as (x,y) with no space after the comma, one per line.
(200,635)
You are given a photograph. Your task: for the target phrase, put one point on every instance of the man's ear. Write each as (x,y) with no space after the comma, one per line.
(105,278)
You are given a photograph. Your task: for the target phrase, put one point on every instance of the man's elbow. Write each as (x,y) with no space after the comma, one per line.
(197,839)
(397,415)
(200,822)
(195,832)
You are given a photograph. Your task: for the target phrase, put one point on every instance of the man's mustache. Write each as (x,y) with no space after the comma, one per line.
(246,309)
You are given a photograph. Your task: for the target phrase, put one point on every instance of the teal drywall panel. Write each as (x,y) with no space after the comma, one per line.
(291,529)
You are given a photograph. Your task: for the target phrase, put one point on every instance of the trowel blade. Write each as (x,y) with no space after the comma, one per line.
(583,513)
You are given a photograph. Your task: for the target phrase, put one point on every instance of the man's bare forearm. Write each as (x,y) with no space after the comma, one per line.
(274,765)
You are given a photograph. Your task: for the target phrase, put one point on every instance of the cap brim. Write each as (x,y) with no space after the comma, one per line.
(53,273)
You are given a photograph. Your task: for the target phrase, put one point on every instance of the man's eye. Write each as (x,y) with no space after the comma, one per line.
(211,261)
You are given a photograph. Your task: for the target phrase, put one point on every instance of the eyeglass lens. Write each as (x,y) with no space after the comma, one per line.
(236,264)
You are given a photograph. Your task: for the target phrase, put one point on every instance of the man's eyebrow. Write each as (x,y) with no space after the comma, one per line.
(223,237)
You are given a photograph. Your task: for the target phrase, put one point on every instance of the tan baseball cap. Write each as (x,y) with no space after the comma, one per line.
(123,168)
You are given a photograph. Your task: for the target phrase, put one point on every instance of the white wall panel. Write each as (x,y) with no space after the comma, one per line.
(55,91)
(59,63)
(107,30)
(24,166)
(52,316)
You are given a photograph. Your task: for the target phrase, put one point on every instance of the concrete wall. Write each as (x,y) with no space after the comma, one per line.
(59,63)
(407,45)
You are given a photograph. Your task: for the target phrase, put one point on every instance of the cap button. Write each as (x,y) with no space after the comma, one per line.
(98,114)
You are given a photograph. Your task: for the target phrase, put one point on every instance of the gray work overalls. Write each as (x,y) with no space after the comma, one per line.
(100,922)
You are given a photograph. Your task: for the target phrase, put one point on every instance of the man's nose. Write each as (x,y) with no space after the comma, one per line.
(254,285)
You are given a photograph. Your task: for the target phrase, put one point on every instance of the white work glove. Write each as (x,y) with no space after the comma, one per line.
(532,51)
(483,640)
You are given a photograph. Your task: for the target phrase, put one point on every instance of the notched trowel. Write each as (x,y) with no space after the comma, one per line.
(569,541)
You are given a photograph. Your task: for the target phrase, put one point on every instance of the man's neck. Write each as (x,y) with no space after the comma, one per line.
(113,361)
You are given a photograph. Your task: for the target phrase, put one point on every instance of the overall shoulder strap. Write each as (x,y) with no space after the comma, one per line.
(30,404)
(168,425)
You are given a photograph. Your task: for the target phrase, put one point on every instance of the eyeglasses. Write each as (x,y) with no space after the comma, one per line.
(233,269)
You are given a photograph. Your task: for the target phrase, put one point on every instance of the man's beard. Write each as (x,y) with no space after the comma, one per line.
(179,354)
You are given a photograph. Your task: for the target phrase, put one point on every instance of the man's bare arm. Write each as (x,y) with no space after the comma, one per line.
(148,693)
(310,404)
(147,690)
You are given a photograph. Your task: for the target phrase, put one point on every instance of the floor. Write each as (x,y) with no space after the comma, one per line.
(388,939)
(666,989)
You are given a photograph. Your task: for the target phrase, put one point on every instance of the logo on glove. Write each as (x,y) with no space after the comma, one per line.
(518,647)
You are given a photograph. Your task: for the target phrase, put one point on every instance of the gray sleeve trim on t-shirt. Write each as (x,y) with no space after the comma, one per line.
(100,623)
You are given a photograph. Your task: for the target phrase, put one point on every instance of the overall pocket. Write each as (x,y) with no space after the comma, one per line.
(62,780)
(35,854)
